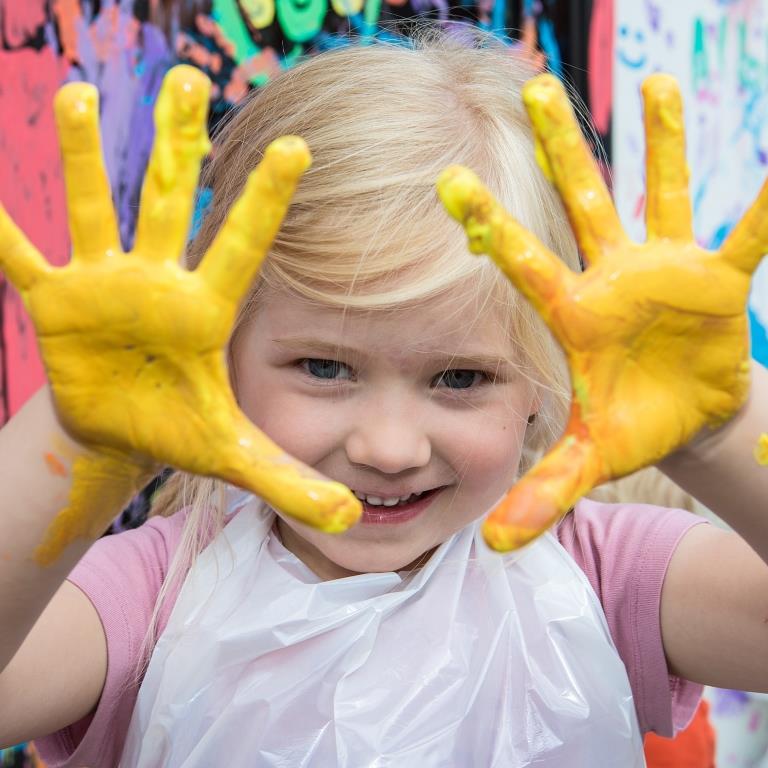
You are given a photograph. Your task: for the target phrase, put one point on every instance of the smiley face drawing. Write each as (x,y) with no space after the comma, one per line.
(260,13)
(301,20)
(630,47)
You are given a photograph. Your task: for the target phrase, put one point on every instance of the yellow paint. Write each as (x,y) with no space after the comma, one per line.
(133,344)
(101,486)
(260,13)
(655,334)
(347,7)
(761,450)
(542,161)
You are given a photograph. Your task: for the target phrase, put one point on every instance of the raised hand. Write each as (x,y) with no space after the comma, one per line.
(133,343)
(655,334)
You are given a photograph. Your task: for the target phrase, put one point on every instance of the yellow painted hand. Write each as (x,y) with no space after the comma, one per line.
(133,343)
(655,334)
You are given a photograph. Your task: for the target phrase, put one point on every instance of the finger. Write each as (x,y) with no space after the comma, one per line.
(574,170)
(748,242)
(234,258)
(571,469)
(533,269)
(181,142)
(668,208)
(20,261)
(260,466)
(92,220)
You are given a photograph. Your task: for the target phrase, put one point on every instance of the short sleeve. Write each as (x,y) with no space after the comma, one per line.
(122,576)
(624,550)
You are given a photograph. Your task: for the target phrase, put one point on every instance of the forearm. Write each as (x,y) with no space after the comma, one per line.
(722,472)
(36,468)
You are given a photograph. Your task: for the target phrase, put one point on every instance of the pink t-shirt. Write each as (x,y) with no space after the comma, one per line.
(623,549)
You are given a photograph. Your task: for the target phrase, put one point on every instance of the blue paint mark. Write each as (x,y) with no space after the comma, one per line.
(549,45)
(718,238)
(203,202)
(497,16)
(758,339)
(631,63)
(628,61)
(726,702)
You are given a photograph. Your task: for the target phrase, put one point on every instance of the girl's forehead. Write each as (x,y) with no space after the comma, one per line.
(439,324)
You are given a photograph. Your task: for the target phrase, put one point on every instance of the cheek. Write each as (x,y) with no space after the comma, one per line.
(488,455)
(297,425)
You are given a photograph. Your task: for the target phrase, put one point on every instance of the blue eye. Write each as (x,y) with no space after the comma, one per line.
(326,369)
(458,378)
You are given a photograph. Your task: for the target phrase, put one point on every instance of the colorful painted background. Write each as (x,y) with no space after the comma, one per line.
(718,51)
(125,47)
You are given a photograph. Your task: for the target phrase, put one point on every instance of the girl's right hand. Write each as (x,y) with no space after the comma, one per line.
(133,343)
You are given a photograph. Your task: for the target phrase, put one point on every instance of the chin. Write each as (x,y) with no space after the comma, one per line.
(333,556)
(375,560)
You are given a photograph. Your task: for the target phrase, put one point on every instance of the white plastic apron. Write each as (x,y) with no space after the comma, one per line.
(474,660)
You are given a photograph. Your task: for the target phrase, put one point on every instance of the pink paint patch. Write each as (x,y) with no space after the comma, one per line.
(600,63)
(639,207)
(754,721)
(32,190)
(21,20)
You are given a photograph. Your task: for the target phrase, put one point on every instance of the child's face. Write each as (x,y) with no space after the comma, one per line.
(413,401)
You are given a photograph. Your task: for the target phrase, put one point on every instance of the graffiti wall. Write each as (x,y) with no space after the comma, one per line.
(718,50)
(125,47)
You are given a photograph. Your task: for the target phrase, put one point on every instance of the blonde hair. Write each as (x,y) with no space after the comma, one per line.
(366,229)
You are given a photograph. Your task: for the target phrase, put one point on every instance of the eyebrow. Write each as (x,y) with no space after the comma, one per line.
(449,359)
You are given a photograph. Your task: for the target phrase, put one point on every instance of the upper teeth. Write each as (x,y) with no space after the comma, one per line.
(378,501)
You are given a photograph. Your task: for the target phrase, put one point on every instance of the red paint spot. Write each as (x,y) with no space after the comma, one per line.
(55,465)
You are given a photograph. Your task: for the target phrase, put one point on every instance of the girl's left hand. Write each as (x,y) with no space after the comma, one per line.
(655,334)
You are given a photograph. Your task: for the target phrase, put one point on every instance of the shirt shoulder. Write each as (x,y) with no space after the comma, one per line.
(122,576)
(624,550)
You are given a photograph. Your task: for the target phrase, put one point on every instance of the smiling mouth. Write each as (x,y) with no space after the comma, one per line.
(392,501)
(395,509)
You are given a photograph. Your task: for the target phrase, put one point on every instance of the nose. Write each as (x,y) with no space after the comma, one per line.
(390,439)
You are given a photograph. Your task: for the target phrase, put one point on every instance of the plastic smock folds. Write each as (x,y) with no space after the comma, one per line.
(476,659)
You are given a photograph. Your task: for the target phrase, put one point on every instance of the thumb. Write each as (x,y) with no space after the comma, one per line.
(572,468)
(262,467)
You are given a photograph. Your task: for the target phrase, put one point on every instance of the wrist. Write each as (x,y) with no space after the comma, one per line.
(705,447)
(720,469)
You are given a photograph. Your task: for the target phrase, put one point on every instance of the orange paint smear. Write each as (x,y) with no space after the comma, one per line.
(55,465)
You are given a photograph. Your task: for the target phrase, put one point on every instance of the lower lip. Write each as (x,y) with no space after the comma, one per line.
(399,514)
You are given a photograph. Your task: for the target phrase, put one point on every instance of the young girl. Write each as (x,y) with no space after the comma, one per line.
(381,354)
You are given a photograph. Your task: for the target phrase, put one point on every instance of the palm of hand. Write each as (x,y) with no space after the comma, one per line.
(133,343)
(652,360)
(655,334)
(153,342)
